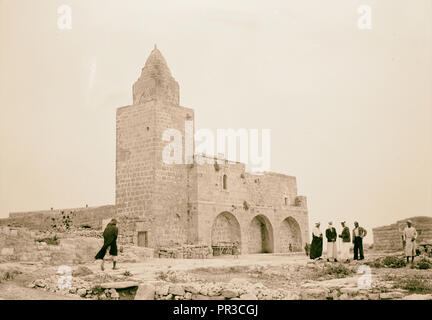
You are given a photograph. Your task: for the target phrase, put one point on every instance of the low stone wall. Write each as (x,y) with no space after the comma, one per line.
(390,237)
(91,217)
(186,252)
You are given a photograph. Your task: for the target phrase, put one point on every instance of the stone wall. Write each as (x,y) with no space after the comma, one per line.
(260,204)
(45,220)
(390,237)
(151,196)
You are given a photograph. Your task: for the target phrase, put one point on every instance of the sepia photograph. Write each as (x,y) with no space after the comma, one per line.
(234,151)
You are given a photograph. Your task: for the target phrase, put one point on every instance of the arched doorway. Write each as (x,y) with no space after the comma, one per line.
(260,235)
(290,236)
(225,230)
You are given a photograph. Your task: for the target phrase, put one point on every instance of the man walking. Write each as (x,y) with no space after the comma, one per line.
(346,242)
(317,242)
(358,234)
(410,236)
(331,236)
(110,241)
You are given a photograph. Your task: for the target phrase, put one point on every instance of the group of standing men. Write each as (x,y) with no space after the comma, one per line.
(358,233)
(409,237)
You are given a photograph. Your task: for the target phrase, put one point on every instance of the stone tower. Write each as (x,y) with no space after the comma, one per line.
(151,196)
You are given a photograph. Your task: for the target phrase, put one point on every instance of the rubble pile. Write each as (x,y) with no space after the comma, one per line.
(236,289)
(83,283)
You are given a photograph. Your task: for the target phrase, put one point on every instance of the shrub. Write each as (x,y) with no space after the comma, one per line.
(388,262)
(423,264)
(51,241)
(415,285)
(333,271)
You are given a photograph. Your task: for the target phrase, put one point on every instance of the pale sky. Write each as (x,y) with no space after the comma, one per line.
(350,110)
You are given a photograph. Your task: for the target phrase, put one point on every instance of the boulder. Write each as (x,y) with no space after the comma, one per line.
(192,288)
(145,292)
(162,290)
(177,290)
(229,293)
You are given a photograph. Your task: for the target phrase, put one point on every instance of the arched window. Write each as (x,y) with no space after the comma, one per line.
(225,178)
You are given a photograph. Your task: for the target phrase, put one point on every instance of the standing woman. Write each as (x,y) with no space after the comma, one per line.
(110,241)
(317,242)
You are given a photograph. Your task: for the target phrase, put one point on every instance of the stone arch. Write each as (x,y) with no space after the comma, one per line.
(225,229)
(260,235)
(290,237)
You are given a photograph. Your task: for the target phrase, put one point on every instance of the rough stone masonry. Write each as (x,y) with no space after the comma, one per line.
(159,205)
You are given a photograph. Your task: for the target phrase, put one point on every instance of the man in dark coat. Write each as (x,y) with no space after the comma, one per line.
(317,243)
(110,241)
(357,235)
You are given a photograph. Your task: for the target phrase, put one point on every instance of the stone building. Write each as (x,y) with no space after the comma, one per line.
(166,204)
(160,205)
(390,237)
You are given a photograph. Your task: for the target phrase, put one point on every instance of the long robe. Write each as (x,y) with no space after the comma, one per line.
(410,236)
(110,241)
(317,244)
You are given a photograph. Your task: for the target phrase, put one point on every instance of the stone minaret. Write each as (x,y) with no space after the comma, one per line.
(156,82)
(151,196)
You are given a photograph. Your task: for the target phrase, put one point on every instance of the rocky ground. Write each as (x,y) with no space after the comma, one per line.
(63,269)
(249,277)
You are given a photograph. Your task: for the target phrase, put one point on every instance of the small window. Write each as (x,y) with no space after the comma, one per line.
(286,201)
(225,178)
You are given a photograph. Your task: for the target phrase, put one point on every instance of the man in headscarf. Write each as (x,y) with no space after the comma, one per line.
(317,242)
(110,241)
(346,242)
(331,236)
(410,236)
(358,234)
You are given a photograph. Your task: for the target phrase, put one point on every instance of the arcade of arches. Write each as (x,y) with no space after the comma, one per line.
(260,236)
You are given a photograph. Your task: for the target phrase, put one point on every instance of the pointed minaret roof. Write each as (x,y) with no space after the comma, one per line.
(156,81)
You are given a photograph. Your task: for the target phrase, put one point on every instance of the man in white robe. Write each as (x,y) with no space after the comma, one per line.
(409,237)
(331,236)
(346,242)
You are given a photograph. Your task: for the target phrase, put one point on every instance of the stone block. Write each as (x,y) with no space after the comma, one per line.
(177,290)
(145,292)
